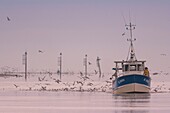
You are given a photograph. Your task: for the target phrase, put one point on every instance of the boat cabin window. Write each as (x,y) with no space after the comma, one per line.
(132,67)
(140,67)
(129,67)
(126,68)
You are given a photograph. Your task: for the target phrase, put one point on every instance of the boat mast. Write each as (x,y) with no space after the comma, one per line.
(131,27)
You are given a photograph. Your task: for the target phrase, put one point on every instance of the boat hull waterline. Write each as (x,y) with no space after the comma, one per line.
(133,83)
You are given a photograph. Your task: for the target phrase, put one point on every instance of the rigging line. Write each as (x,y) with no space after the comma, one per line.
(123,18)
(129,16)
(135,19)
(134,53)
(128,54)
(133,50)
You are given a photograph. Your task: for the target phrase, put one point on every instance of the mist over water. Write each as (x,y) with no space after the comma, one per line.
(84,102)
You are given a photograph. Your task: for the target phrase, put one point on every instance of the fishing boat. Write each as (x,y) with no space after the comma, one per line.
(130,76)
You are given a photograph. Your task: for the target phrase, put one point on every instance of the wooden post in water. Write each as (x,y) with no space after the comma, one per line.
(85,65)
(25,64)
(60,64)
(98,65)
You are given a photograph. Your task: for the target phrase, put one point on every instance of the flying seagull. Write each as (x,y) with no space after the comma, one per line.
(8,18)
(16,85)
(163,54)
(95,72)
(123,34)
(40,51)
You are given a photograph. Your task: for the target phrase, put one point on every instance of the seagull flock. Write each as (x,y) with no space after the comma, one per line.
(83,84)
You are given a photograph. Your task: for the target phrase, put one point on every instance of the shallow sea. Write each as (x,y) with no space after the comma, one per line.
(82,102)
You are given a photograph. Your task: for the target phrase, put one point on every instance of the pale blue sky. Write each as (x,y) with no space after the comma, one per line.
(79,27)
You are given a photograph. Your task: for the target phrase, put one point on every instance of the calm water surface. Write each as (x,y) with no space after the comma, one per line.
(82,102)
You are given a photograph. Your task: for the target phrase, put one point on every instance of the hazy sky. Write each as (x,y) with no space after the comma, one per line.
(79,27)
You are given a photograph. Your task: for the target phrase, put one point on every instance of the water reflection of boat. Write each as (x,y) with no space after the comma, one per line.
(132,102)
(142,97)
(129,74)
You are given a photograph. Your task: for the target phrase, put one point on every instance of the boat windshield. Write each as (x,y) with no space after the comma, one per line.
(133,67)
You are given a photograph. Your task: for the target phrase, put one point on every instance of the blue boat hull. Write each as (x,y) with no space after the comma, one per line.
(132,83)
